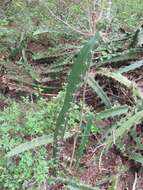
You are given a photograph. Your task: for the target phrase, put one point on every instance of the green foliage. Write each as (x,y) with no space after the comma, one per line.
(28,168)
(25,124)
(128,13)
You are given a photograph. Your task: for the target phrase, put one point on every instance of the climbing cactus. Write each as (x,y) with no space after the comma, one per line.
(76,77)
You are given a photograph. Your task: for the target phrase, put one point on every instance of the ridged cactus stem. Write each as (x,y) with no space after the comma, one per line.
(76,76)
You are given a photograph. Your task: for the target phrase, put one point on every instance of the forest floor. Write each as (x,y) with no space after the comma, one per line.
(17,80)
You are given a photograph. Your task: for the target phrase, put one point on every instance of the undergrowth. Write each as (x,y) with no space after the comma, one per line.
(27,127)
(21,122)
